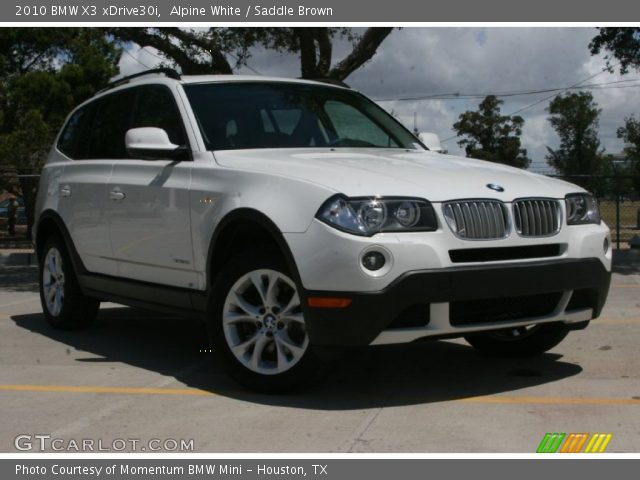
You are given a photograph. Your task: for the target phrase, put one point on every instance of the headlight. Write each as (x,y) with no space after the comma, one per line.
(368,216)
(582,208)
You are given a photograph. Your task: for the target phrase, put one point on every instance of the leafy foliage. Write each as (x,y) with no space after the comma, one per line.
(492,136)
(630,133)
(621,44)
(44,73)
(575,118)
(207,52)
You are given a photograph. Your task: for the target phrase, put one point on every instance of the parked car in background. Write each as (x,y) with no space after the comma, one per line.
(21,215)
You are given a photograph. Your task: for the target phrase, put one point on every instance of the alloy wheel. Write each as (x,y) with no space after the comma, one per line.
(53,281)
(263,322)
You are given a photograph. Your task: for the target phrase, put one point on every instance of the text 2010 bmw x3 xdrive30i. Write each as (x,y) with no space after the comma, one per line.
(293,215)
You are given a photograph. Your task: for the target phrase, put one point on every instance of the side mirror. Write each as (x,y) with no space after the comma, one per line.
(151,143)
(432,142)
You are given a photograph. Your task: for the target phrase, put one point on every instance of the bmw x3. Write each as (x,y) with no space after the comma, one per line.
(295,217)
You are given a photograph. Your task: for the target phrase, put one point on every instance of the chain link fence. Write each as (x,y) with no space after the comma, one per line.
(619,204)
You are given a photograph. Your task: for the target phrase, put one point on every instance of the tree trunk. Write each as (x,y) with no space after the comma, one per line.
(362,52)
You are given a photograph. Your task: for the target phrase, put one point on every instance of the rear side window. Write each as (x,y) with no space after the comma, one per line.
(74,140)
(97,130)
(110,125)
(156,107)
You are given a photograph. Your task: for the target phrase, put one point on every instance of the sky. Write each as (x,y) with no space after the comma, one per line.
(432,61)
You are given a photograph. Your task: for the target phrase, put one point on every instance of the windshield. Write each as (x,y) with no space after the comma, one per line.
(244,115)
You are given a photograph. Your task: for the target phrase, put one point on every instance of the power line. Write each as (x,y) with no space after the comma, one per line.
(548,97)
(471,96)
(153,54)
(246,64)
(568,88)
(228,53)
(137,60)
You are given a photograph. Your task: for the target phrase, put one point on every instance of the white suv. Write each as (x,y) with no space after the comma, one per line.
(294,215)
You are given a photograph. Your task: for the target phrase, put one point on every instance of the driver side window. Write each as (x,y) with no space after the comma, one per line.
(156,107)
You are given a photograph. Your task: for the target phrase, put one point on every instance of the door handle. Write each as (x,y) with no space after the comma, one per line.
(116,195)
(65,191)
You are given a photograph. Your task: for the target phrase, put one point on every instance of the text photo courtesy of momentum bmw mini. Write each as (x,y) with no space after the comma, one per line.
(296,218)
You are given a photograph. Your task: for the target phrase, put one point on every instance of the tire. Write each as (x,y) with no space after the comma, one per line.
(259,335)
(63,303)
(519,342)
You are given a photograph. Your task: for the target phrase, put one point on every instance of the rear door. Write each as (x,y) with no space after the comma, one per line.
(149,208)
(82,188)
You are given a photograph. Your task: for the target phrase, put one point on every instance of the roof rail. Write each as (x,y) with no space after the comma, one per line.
(329,80)
(169,72)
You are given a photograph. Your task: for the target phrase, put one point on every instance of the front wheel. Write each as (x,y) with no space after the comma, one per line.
(257,327)
(519,342)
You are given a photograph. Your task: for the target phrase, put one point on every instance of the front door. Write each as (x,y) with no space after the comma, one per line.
(150,225)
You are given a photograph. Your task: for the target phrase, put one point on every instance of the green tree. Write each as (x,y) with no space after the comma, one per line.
(206,52)
(630,134)
(44,73)
(621,46)
(619,43)
(488,135)
(575,118)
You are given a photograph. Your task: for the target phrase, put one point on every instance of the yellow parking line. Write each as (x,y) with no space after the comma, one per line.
(553,400)
(116,390)
(196,392)
(625,285)
(617,321)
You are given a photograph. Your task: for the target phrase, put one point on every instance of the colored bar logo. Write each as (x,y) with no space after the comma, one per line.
(574,443)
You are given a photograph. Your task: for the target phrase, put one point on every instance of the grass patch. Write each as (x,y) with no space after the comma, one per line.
(628,219)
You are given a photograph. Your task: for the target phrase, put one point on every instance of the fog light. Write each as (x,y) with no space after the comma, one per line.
(605,245)
(373,261)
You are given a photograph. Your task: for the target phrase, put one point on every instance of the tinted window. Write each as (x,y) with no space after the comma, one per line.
(288,115)
(74,140)
(111,123)
(349,122)
(156,107)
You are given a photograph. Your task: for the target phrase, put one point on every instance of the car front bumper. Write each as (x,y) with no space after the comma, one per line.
(455,301)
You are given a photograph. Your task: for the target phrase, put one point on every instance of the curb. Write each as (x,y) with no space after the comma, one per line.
(13,259)
(15,244)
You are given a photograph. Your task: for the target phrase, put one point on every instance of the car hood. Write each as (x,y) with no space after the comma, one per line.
(392,172)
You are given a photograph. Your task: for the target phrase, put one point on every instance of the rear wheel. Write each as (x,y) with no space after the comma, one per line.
(519,342)
(63,303)
(257,327)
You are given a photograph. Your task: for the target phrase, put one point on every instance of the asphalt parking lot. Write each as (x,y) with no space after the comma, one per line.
(136,375)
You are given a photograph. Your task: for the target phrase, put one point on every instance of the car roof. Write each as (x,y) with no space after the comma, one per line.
(186,79)
(158,78)
(193,79)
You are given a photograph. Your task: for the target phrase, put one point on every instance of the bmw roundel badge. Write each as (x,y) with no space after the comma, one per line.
(495,187)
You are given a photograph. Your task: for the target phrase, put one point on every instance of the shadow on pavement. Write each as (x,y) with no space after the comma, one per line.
(626,262)
(364,378)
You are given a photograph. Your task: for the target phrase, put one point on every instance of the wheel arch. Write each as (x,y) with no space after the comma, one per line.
(227,240)
(50,223)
